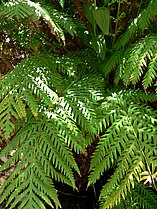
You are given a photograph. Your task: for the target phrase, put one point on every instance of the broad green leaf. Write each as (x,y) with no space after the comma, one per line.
(102,18)
(90,15)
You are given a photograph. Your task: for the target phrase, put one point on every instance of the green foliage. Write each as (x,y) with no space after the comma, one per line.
(128,145)
(139,24)
(99,16)
(62,2)
(26,9)
(62,21)
(146,199)
(53,103)
(48,89)
(136,62)
(38,84)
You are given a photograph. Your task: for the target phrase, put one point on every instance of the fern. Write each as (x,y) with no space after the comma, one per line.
(113,62)
(137,63)
(139,197)
(138,58)
(61,19)
(62,2)
(18,9)
(130,135)
(48,112)
(26,9)
(82,95)
(139,24)
(133,58)
(54,105)
(36,81)
(42,154)
(90,62)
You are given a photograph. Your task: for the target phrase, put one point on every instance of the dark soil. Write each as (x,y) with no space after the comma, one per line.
(85,199)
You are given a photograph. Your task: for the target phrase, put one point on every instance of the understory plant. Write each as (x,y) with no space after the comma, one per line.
(74,73)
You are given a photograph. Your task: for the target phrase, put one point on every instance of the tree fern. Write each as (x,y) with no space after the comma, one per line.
(138,58)
(130,135)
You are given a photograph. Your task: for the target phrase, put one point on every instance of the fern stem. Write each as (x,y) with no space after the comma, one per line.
(117,22)
(94,192)
(95,4)
(94,25)
(72,195)
(139,8)
(143,154)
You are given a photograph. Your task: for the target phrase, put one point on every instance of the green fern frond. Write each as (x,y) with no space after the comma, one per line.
(54,108)
(137,60)
(81,99)
(61,20)
(42,153)
(113,61)
(139,197)
(26,9)
(11,108)
(117,190)
(151,73)
(130,96)
(34,81)
(67,128)
(40,81)
(90,62)
(142,22)
(30,84)
(18,9)
(137,63)
(147,198)
(129,126)
(61,2)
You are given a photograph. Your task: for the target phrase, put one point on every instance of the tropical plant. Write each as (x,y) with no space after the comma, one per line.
(125,145)
(47,108)
(67,82)
(128,145)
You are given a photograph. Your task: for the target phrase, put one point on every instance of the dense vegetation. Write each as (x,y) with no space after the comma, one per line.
(78,82)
